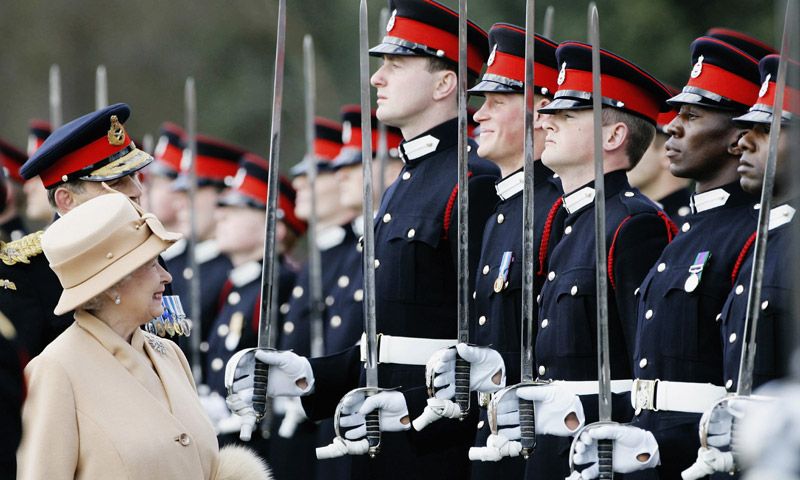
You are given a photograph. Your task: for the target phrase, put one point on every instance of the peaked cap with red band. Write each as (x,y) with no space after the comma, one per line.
(169,151)
(250,187)
(664,118)
(351,138)
(11,159)
(723,77)
(217,163)
(94,147)
(428,28)
(327,145)
(764,107)
(749,45)
(505,72)
(624,85)
(38,132)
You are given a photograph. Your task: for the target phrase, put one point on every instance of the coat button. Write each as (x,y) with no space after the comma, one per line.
(545,323)
(661,267)
(387,217)
(234,298)
(568,230)
(288,327)
(474,294)
(574,290)
(542,370)
(358,295)
(485,269)
(684,210)
(204,347)
(629,194)
(336,321)
(343,281)
(184,439)
(729,384)
(329,300)
(642,363)
(648,314)
(551,276)
(685,227)
(732,338)
(764,304)
(406,175)
(377,263)
(539,299)
(223,330)
(500,218)
(718,317)
(411,233)
(297,291)
(217,364)
(187,273)
(480,424)
(739,289)
(285,308)
(636,292)
(482,320)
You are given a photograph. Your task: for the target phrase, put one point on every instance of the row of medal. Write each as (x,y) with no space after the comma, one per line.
(172,322)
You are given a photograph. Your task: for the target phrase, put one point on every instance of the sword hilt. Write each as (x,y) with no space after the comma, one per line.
(605,455)
(260,375)
(373,423)
(462,386)
(527,427)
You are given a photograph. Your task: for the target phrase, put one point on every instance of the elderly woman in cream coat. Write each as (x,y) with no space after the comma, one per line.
(106,399)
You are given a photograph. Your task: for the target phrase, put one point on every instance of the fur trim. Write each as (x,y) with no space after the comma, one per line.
(241,463)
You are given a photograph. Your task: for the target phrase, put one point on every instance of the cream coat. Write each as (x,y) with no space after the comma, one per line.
(99,407)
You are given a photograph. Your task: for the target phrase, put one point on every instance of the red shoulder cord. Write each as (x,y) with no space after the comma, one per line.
(740,259)
(548,227)
(672,230)
(451,202)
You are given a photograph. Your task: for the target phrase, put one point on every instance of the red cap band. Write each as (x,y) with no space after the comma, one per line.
(436,39)
(722,82)
(791,98)
(257,190)
(215,168)
(326,149)
(81,158)
(513,67)
(633,97)
(169,154)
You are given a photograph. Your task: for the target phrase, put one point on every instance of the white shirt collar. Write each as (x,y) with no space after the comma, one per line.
(174,250)
(510,186)
(245,273)
(419,147)
(578,199)
(206,251)
(780,215)
(330,237)
(700,202)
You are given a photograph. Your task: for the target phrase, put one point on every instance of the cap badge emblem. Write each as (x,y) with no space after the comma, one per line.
(764,86)
(492,55)
(390,23)
(238,180)
(698,67)
(347,132)
(562,75)
(116,134)
(186,159)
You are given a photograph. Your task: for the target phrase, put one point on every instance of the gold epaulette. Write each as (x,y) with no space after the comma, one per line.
(20,251)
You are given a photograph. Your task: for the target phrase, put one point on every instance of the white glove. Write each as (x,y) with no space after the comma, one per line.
(293,415)
(341,447)
(709,460)
(552,405)
(392,409)
(719,420)
(437,408)
(629,443)
(215,407)
(485,363)
(497,447)
(506,442)
(286,373)
(244,409)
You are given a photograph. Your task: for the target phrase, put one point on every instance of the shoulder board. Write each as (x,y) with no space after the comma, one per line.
(20,251)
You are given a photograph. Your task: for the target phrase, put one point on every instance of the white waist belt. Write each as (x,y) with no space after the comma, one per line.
(591,387)
(658,395)
(405,350)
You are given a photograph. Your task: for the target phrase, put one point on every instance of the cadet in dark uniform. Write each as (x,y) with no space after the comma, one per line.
(636,231)
(160,198)
(72,164)
(11,159)
(678,355)
(415,246)
(217,164)
(774,335)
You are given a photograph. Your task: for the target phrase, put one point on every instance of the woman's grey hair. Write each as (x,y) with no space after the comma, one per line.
(99,301)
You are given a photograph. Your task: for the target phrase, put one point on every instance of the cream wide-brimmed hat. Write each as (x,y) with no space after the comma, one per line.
(98,243)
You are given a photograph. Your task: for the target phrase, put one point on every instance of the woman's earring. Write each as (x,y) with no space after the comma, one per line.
(117,300)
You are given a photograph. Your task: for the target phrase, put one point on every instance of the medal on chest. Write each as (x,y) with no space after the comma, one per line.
(696,271)
(501,282)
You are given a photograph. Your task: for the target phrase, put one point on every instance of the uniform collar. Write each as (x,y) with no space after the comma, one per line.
(780,216)
(730,195)
(245,273)
(206,251)
(510,185)
(330,237)
(614,183)
(438,138)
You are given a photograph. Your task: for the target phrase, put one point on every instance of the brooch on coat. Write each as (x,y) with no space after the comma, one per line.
(156,344)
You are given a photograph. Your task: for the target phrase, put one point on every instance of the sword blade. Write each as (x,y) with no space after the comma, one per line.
(190,106)
(528,204)
(382,153)
(748,355)
(314,266)
(100,88)
(55,96)
(547,29)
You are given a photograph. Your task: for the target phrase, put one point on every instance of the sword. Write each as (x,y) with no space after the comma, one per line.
(382,152)
(268,270)
(547,29)
(55,96)
(190,100)
(314,265)
(462,366)
(100,88)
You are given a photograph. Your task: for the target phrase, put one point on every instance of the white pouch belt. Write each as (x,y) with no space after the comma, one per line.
(405,350)
(687,397)
(591,387)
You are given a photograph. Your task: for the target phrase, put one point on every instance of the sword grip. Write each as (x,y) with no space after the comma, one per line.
(462,386)
(260,375)
(527,426)
(373,432)
(605,455)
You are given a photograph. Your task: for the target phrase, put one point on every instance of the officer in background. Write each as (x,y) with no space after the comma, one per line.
(80,160)
(160,198)
(12,226)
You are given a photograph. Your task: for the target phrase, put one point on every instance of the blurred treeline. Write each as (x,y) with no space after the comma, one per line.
(149,47)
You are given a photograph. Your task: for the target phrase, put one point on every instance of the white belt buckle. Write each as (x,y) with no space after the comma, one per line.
(645,391)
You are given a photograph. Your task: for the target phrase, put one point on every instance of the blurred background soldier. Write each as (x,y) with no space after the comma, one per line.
(81,160)
(160,197)
(38,213)
(11,160)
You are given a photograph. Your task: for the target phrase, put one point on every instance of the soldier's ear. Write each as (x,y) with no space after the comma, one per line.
(64,200)
(733,146)
(446,84)
(540,102)
(615,135)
